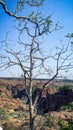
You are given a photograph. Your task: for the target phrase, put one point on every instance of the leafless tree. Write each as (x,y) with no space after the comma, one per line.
(27,52)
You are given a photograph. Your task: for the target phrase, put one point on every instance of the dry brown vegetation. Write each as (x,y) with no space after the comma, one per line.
(14,114)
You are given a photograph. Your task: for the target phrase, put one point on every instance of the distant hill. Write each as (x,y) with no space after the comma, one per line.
(56,80)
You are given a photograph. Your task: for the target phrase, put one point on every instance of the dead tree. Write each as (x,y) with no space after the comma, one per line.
(28,55)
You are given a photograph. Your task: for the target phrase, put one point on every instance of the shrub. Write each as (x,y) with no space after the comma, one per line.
(49,121)
(1,110)
(65,88)
(66,125)
(69,107)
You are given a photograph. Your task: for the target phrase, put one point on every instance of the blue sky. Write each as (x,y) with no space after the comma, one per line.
(61,10)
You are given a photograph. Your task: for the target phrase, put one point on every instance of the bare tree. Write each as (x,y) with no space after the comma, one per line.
(27,52)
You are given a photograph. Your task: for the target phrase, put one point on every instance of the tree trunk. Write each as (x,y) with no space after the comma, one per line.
(31,106)
(32,115)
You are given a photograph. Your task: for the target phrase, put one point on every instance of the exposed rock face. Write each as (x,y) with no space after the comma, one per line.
(47,101)
(53,102)
(18,91)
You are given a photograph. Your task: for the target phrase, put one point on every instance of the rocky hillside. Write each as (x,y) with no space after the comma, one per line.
(55,107)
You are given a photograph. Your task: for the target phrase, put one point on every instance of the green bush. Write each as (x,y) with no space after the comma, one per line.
(65,88)
(69,107)
(66,125)
(49,121)
(1,110)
